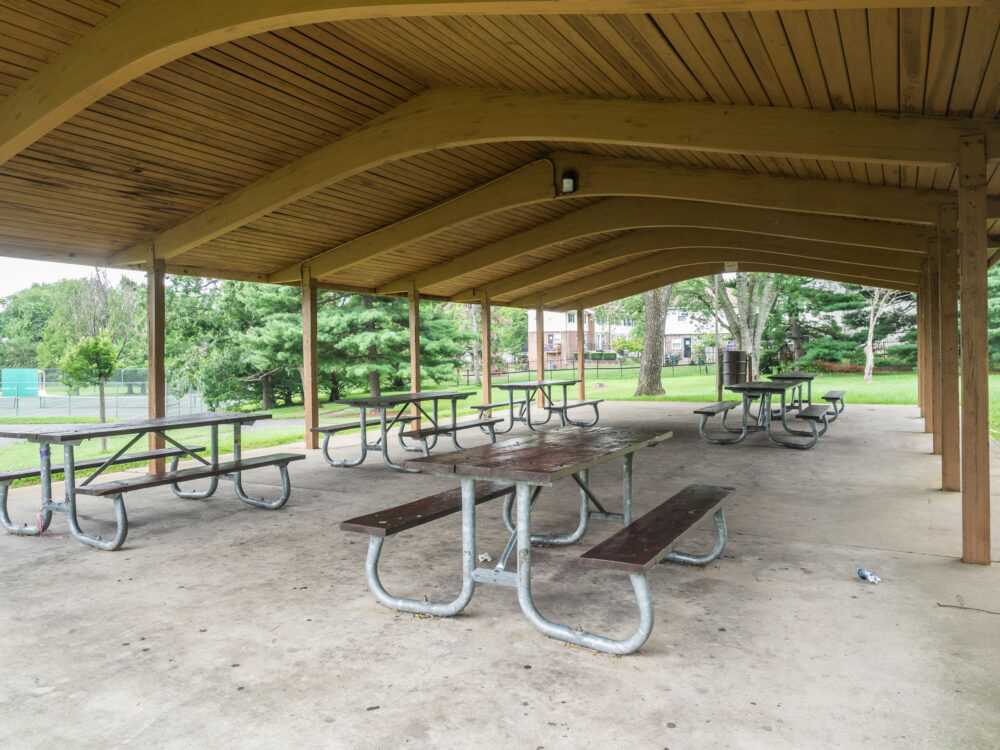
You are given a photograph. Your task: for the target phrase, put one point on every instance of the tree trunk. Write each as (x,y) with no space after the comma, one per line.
(334,386)
(374,386)
(795,331)
(267,395)
(101,411)
(654,304)
(476,359)
(870,341)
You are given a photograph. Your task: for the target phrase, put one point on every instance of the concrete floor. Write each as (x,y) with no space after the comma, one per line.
(220,625)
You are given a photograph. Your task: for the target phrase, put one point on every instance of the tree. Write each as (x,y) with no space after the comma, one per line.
(880,302)
(91,361)
(24,319)
(655,304)
(743,300)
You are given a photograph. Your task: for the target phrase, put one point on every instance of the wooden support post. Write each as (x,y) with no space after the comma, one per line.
(487,346)
(921,346)
(156,333)
(973,259)
(951,452)
(414,299)
(928,349)
(310,353)
(934,328)
(540,348)
(580,351)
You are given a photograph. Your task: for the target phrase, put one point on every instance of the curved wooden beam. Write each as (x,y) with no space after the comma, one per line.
(615,214)
(686,256)
(693,271)
(532,183)
(645,240)
(739,246)
(142,35)
(451,118)
(601,177)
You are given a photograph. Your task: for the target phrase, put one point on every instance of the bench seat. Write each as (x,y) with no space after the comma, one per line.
(393,520)
(833,397)
(574,404)
(498,405)
(647,540)
(95,463)
(712,409)
(426,432)
(334,428)
(120,486)
(814,413)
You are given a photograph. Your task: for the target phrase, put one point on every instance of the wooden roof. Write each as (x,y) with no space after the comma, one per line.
(425,143)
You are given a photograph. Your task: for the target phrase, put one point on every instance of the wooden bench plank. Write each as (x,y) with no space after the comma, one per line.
(402,517)
(94,463)
(498,405)
(645,541)
(573,404)
(813,413)
(445,429)
(333,428)
(197,472)
(713,409)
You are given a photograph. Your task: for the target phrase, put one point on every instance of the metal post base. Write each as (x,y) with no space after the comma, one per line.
(286,491)
(720,544)
(45,517)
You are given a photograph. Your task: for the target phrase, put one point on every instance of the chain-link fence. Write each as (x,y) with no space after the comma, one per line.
(125,397)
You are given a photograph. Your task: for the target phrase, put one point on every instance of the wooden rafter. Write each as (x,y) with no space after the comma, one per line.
(449,118)
(619,213)
(140,36)
(693,271)
(645,240)
(678,257)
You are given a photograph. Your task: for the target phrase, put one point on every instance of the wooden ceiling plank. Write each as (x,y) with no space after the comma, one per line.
(856,41)
(980,40)
(754,79)
(914,48)
(695,28)
(883,35)
(947,32)
(348,52)
(779,50)
(806,55)
(689,56)
(531,183)
(624,61)
(829,45)
(640,33)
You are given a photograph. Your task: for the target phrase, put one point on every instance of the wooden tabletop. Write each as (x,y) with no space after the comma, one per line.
(534,384)
(794,376)
(760,386)
(399,399)
(131,427)
(543,458)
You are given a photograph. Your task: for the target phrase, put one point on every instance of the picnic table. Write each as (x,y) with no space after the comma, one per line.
(765,391)
(532,387)
(802,378)
(391,412)
(519,468)
(211,469)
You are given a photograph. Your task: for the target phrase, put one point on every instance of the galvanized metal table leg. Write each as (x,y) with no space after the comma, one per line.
(441,609)
(563,632)
(364,445)
(384,442)
(721,536)
(213,483)
(576,423)
(628,464)
(237,479)
(45,515)
(69,508)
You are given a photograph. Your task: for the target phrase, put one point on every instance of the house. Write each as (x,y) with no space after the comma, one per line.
(682,336)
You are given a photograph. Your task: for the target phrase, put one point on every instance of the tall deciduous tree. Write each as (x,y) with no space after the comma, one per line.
(91,361)
(880,301)
(655,304)
(744,302)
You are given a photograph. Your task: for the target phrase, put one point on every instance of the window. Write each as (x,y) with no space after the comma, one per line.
(551,339)
(570,317)
(676,344)
(682,316)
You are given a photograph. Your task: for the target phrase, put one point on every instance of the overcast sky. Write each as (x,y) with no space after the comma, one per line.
(17,274)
